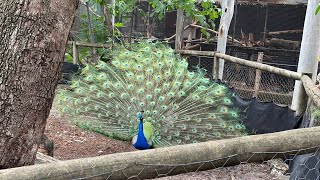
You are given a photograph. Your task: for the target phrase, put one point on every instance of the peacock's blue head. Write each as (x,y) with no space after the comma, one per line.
(140,141)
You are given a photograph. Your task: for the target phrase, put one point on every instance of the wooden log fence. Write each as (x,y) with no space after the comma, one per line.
(263,67)
(176,159)
(86,44)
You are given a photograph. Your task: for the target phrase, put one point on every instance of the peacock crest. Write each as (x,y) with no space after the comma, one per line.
(180,106)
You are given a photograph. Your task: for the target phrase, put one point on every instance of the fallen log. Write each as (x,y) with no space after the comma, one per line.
(282,43)
(176,159)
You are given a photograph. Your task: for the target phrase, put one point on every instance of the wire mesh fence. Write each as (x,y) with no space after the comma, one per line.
(250,82)
(296,164)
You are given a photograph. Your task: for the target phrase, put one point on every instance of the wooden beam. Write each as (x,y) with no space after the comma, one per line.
(312,91)
(264,67)
(86,44)
(284,32)
(176,159)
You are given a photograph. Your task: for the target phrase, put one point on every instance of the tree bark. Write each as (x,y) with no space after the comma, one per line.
(33,36)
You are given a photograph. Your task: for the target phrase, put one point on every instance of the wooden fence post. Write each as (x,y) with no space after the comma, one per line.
(308,59)
(215,68)
(179,29)
(75,53)
(258,76)
(227,7)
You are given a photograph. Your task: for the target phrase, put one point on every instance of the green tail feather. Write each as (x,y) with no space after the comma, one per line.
(180,106)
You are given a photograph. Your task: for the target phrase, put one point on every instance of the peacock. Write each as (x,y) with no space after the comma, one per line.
(147,94)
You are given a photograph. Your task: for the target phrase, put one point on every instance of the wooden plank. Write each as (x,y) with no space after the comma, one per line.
(176,159)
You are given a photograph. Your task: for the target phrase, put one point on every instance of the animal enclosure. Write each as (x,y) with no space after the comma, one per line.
(254,65)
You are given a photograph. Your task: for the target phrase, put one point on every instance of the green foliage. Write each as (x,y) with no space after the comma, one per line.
(318,9)
(204,12)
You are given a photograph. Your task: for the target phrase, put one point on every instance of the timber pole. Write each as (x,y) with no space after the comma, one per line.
(308,59)
(227,8)
(179,29)
(176,159)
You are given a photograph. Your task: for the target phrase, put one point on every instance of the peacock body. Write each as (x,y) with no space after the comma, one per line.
(179,106)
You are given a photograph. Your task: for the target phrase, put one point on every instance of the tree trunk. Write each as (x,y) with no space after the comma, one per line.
(33,38)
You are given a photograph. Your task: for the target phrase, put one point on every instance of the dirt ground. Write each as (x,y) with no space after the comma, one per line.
(71,142)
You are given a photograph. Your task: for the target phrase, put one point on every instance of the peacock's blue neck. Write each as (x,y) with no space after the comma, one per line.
(142,142)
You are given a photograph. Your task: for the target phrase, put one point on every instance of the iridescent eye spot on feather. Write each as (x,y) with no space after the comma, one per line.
(158,78)
(212,115)
(164,107)
(124,95)
(181,93)
(150,71)
(130,86)
(194,130)
(223,110)
(140,78)
(223,125)
(159,54)
(139,66)
(149,97)
(161,98)
(171,94)
(166,85)
(79,91)
(157,90)
(141,91)
(191,74)
(106,85)
(99,95)
(227,101)
(146,60)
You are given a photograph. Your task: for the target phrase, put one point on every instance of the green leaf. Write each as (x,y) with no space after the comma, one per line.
(318,9)
(68,57)
(118,24)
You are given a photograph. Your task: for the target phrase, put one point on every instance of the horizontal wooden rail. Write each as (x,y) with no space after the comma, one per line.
(264,67)
(312,91)
(86,44)
(176,159)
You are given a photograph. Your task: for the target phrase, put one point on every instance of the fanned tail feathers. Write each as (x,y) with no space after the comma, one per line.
(182,106)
